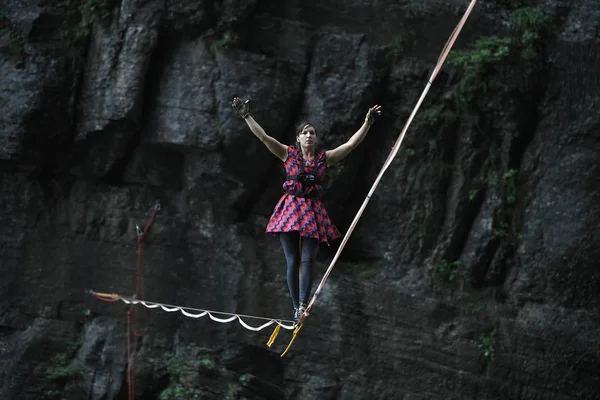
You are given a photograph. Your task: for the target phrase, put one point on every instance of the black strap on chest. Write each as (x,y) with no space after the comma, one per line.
(306,178)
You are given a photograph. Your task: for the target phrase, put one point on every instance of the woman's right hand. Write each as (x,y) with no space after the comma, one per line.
(242,109)
(373,113)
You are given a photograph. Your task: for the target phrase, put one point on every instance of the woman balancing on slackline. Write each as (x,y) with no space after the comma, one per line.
(299,218)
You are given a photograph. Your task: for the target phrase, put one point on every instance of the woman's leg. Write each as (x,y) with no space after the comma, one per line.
(310,248)
(289,243)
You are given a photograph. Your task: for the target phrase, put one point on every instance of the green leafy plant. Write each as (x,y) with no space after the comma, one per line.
(447,270)
(396,45)
(438,116)
(473,194)
(487,345)
(529,24)
(207,362)
(61,368)
(474,307)
(15,44)
(510,183)
(100,10)
(511,4)
(219,44)
(74,29)
(501,229)
(414,10)
(365,270)
(182,363)
(492,178)
(484,53)
(528,28)
(179,392)
(477,65)
(509,190)
(51,394)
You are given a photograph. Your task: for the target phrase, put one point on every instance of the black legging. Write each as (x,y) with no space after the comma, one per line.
(299,287)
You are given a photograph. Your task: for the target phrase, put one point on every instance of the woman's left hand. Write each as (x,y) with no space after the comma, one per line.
(373,112)
(242,109)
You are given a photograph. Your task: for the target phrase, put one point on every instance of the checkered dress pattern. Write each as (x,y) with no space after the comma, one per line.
(300,208)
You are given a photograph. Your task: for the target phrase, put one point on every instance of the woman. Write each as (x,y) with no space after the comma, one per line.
(299,218)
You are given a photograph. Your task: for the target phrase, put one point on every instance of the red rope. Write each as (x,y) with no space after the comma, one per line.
(129,359)
(133,314)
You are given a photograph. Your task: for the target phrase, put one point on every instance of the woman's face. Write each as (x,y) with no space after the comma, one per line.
(307,137)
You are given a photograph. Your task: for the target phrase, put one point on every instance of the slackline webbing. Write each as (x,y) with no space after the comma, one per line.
(199,313)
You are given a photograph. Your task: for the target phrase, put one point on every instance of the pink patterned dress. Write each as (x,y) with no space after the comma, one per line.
(300,208)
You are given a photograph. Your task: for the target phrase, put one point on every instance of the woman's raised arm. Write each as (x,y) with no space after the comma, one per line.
(343,150)
(274,146)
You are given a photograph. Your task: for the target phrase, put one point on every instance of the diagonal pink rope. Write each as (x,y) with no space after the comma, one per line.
(395,149)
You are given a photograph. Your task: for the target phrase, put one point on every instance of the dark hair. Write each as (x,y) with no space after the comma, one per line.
(302,126)
(299,130)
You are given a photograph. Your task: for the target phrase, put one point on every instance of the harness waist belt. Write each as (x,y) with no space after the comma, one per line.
(304,178)
(312,195)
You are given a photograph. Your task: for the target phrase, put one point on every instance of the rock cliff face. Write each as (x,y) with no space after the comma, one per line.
(471,275)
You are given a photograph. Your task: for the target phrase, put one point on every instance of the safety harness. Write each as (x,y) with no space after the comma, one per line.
(308,180)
